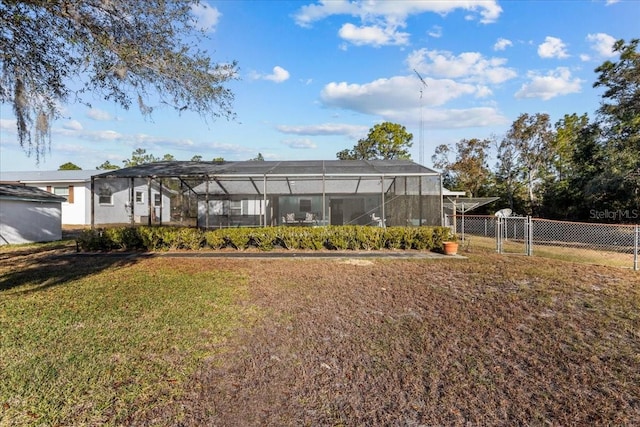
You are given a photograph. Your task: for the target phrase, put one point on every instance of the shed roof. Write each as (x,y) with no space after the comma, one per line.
(26,193)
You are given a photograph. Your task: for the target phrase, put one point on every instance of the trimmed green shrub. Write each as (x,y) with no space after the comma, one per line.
(126,238)
(93,240)
(214,239)
(422,238)
(338,237)
(190,238)
(151,237)
(288,237)
(314,238)
(349,237)
(398,238)
(237,238)
(369,238)
(262,238)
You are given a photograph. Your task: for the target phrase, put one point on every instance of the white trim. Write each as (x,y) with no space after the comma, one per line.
(105,204)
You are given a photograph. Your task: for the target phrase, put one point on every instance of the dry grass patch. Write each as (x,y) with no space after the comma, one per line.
(482,342)
(581,255)
(490,340)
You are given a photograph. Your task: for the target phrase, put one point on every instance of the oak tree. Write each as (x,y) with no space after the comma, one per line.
(127,52)
(385,141)
(69,166)
(107,165)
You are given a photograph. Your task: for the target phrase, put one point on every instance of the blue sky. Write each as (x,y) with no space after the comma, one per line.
(315,76)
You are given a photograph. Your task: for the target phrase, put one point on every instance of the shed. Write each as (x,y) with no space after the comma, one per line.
(28,214)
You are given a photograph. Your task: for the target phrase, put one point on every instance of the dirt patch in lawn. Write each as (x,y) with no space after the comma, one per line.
(491,340)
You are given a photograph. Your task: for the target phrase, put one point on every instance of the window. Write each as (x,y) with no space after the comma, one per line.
(235,207)
(139,197)
(305,205)
(62,191)
(105,196)
(105,199)
(157,199)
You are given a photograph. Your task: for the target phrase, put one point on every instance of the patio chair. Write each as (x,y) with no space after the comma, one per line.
(377,220)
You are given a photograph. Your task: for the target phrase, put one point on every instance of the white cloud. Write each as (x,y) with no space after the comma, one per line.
(373,35)
(502,44)
(316,12)
(102,135)
(144,140)
(602,44)
(397,98)
(225,150)
(435,32)
(610,2)
(207,17)
(100,115)
(323,129)
(552,47)
(73,129)
(469,66)
(72,125)
(483,91)
(489,10)
(8,125)
(299,144)
(555,83)
(278,75)
(462,118)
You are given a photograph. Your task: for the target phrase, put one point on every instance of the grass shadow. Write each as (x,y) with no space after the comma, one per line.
(41,270)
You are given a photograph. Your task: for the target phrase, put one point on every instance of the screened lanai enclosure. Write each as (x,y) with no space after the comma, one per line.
(269,193)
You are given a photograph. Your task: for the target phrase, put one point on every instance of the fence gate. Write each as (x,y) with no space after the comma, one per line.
(513,235)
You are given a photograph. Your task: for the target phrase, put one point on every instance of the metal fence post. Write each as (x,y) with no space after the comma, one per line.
(636,239)
(499,235)
(525,235)
(529,236)
(463,228)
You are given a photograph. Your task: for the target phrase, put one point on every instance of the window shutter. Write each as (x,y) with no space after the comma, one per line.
(70,198)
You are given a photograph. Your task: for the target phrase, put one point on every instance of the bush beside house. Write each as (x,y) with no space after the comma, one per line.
(298,238)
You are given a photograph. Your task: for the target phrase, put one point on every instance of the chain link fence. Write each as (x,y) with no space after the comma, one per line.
(607,244)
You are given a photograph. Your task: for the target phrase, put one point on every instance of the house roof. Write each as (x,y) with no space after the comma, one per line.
(23,192)
(253,168)
(32,177)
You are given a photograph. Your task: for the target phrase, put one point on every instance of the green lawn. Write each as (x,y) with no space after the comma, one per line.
(92,341)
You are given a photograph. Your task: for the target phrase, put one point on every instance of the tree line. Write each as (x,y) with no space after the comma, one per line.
(578,168)
(140,157)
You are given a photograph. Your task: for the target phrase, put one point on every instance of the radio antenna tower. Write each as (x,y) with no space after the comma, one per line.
(421,132)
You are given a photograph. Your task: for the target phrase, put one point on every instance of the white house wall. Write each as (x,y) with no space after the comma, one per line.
(120,209)
(29,221)
(78,212)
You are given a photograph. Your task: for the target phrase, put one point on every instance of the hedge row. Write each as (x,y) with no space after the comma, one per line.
(316,238)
